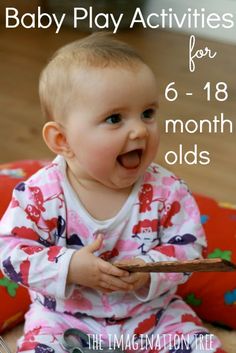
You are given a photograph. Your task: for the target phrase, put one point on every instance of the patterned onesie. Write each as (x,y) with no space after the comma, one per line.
(46,222)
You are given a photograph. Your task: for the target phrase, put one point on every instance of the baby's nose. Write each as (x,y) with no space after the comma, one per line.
(138,130)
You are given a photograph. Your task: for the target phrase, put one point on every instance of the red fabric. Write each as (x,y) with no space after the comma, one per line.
(212,295)
(13,305)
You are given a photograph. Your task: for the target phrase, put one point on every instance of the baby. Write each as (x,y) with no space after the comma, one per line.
(102,201)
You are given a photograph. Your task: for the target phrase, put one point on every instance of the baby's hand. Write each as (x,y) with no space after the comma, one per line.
(137,279)
(88,270)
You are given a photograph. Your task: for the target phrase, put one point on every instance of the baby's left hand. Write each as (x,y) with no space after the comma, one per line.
(136,279)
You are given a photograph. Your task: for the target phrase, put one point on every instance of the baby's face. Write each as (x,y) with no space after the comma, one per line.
(112,125)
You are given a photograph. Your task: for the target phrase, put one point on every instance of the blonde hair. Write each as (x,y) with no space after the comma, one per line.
(57,81)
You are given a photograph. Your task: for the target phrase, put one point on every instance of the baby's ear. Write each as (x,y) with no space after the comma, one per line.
(55,138)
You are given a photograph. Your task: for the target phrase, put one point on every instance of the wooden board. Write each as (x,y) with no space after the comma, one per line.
(199,265)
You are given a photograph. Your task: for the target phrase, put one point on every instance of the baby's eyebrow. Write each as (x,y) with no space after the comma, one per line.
(154,104)
(112,111)
(120,109)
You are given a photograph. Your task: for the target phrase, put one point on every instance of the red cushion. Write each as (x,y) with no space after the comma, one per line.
(213,294)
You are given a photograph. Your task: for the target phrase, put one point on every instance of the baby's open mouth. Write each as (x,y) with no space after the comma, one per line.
(131,159)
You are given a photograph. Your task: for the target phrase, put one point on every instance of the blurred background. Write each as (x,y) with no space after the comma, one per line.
(24,52)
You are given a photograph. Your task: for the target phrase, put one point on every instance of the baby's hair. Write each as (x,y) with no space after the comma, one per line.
(57,80)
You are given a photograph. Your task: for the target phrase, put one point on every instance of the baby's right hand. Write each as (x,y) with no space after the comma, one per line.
(88,270)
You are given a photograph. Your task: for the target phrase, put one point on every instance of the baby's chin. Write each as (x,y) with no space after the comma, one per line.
(125,179)
(123,184)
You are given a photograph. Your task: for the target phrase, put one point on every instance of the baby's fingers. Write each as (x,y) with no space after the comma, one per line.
(110,269)
(132,278)
(114,283)
(104,290)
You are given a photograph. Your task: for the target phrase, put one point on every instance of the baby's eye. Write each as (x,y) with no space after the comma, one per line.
(148,114)
(113,119)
